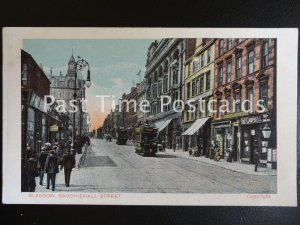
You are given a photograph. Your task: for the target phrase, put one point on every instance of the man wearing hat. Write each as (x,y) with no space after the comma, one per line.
(51,168)
(68,162)
(41,160)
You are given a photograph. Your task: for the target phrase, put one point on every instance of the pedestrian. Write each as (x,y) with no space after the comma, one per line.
(68,162)
(163,143)
(174,146)
(256,159)
(217,153)
(41,160)
(31,173)
(51,168)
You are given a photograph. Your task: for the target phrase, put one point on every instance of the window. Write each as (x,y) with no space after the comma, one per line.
(229,43)
(221,47)
(264,94)
(175,77)
(229,71)
(237,99)
(165,86)
(201,84)
(24,74)
(188,90)
(195,66)
(220,75)
(219,104)
(197,86)
(208,55)
(160,88)
(251,60)
(228,104)
(250,99)
(193,87)
(239,67)
(202,59)
(265,54)
(207,86)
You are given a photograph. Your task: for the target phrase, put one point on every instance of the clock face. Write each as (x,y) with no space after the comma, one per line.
(71,66)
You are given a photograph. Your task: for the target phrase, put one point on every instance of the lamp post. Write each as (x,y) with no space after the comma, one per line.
(266,131)
(79,65)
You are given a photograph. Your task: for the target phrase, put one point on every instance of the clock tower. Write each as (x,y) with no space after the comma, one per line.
(71,66)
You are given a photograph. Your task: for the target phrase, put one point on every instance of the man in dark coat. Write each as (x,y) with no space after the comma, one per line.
(256,160)
(42,156)
(51,168)
(68,162)
(31,174)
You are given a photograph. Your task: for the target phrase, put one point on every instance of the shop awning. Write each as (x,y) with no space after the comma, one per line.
(195,126)
(159,124)
(164,125)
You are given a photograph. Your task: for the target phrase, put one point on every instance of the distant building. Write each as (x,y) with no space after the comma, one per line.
(62,88)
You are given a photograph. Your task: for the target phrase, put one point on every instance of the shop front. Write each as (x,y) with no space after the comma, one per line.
(253,137)
(221,137)
(36,121)
(197,136)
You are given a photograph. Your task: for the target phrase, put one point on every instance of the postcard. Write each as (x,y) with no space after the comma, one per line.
(150,116)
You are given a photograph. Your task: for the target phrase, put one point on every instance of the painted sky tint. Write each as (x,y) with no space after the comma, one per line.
(114,65)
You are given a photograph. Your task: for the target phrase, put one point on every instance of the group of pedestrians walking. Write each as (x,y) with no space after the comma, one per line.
(48,161)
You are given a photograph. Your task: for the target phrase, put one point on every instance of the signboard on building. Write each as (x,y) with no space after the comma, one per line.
(54,128)
(255,119)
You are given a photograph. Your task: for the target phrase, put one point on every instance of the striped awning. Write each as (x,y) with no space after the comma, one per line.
(195,126)
(164,125)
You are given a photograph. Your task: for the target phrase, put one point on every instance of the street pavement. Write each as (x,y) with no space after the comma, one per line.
(117,168)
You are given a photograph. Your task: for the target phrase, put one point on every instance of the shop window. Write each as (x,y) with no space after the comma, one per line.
(265,54)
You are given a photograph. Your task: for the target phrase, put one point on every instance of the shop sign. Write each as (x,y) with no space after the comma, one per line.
(234,115)
(255,119)
(53,128)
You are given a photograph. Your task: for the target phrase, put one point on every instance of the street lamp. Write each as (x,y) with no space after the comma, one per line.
(79,65)
(266,131)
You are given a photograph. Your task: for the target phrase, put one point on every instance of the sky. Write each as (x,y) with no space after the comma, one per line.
(114,65)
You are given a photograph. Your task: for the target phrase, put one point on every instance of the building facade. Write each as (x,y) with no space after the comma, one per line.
(198,89)
(245,75)
(62,88)
(164,76)
(140,97)
(36,119)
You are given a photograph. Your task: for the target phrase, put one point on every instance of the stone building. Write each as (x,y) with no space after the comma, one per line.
(164,76)
(62,88)
(199,83)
